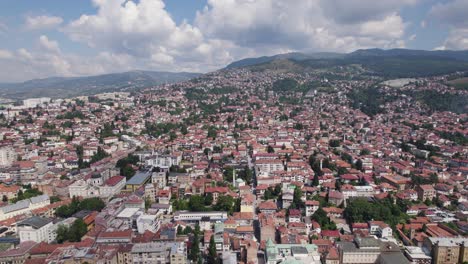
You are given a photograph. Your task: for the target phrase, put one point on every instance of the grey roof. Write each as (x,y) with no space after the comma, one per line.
(299,250)
(448,241)
(35,221)
(139,178)
(364,242)
(23,204)
(40,198)
(152,247)
(393,257)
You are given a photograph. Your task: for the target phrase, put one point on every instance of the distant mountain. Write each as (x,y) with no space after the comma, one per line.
(61,87)
(295,56)
(461,55)
(394,63)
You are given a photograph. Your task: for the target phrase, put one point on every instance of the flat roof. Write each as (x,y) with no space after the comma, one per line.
(139,178)
(127,212)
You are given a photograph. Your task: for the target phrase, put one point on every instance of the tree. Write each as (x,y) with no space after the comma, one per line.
(183,130)
(212,255)
(315,181)
(297,201)
(334,143)
(320,216)
(194,254)
(208,199)
(54,199)
(179,230)
(212,132)
(77,230)
(428,202)
(270,149)
(62,234)
(359,164)
(92,204)
(267,195)
(127,171)
(434,178)
(224,203)
(196,203)
(364,152)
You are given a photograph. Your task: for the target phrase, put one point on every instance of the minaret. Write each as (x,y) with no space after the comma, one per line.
(234,177)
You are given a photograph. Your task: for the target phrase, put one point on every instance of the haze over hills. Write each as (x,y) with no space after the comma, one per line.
(392,63)
(60,87)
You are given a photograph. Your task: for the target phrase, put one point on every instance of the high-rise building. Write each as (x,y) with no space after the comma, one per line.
(7,156)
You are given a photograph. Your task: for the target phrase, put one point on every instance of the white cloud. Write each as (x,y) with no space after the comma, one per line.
(5,54)
(453,14)
(42,22)
(360,11)
(128,34)
(423,24)
(303,24)
(49,45)
(457,39)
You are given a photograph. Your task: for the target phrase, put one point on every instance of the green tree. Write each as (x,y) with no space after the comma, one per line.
(315,181)
(208,199)
(77,230)
(270,149)
(196,203)
(297,202)
(212,255)
(364,152)
(62,234)
(224,203)
(359,164)
(194,254)
(180,230)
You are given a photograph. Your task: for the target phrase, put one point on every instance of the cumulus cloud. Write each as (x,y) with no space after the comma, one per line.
(457,39)
(303,24)
(453,14)
(359,11)
(142,34)
(49,45)
(42,22)
(5,54)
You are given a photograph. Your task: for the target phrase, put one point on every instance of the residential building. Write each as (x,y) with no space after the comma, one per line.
(426,192)
(447,250)
(36,229)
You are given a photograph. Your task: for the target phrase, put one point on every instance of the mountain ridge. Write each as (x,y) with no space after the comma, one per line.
(56,87)
(461,55)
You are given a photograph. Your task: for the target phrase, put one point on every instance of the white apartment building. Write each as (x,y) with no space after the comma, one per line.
(268,166)
(7,156)
(95,187)
(311,207)
(24,206)
(197,216)
(148,222)
(37,229)
(33,102)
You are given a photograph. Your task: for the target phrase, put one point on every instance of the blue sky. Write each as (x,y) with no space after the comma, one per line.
(74,38)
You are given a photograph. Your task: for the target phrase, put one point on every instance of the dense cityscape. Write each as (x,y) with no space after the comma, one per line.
(240,166)
(234,132)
